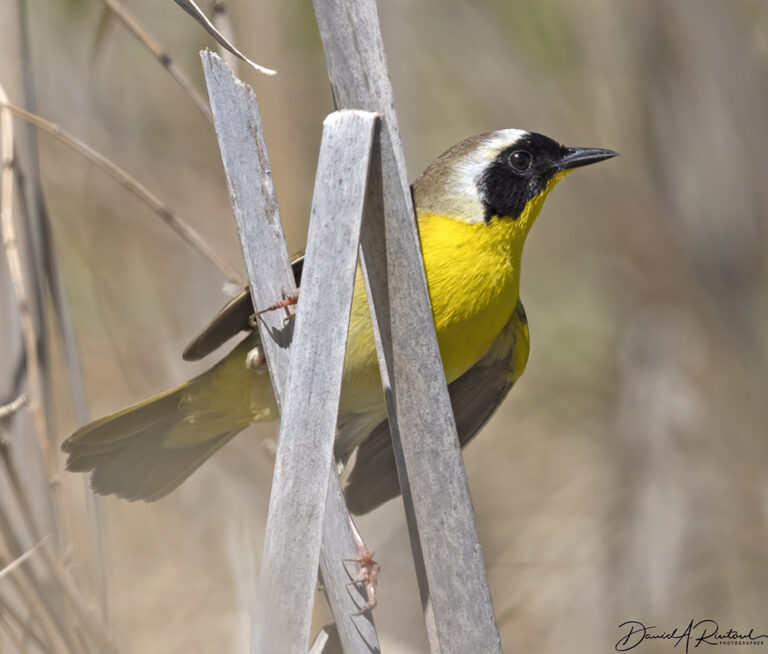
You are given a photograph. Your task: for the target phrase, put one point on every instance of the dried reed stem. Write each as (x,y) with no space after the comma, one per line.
(87,615)
(12,407)
(15,270)
(183,229)
(20,559)
(18,646)
(29,591)
(36,213)
(7,610)
(153,45)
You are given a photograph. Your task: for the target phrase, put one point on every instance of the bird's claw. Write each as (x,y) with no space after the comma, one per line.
(369,576)
(289,299)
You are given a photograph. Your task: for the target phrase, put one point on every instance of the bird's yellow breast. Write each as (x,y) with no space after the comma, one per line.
(473,275)
(472,272)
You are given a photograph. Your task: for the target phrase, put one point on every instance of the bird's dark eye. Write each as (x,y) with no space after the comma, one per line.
(520,159)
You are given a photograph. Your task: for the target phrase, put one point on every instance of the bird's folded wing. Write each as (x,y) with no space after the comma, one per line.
(233,318)
(475,396)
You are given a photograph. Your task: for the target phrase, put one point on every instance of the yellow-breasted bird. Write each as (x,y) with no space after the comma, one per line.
(475,206)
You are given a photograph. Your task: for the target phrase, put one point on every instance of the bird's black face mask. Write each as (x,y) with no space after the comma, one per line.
(521,171)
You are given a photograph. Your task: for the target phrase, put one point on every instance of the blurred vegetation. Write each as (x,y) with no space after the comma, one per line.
(624,478)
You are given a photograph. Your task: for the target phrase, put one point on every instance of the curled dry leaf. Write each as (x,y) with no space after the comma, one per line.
(193,10)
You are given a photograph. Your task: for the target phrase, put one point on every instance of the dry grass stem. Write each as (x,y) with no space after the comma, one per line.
(35,213)
(48,639)
(19,560)
(193,10)
(19,496)
(15,269)
(36,601)
(183,229)
(87,614)
(16,641)
(26,626)
(153,45)
(11,549)
(12,407)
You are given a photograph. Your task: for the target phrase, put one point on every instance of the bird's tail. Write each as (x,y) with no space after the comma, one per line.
(147,450)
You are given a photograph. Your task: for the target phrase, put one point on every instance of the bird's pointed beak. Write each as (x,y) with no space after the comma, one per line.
(576,157)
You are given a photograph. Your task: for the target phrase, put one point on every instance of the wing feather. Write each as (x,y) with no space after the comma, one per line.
(475,396)
(233,318)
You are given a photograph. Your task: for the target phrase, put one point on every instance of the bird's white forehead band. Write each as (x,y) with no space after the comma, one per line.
(499,141)
(468,173)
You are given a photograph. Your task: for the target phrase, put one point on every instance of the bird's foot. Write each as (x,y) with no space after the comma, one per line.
(369,576)
(289,299)
(369,569)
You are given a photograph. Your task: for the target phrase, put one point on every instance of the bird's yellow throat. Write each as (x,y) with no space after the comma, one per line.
(474,297)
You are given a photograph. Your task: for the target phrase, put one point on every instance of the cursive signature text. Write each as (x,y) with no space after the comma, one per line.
(703,632)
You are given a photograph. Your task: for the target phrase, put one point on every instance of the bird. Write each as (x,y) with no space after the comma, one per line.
(475,205)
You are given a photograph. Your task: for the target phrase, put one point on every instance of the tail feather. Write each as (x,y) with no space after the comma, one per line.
(167,474)
(137,419)
(144,470)
(125,451)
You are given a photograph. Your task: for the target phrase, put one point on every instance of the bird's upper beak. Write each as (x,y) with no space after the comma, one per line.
(575,157)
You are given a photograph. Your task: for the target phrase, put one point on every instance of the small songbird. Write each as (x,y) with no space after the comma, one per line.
(475,206)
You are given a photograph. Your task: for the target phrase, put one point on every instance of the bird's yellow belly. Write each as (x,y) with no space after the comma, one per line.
(473,296)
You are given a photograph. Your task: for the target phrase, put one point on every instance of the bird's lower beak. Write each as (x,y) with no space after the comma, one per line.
(576,157)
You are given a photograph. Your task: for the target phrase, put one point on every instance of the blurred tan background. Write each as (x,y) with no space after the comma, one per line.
(626,477)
